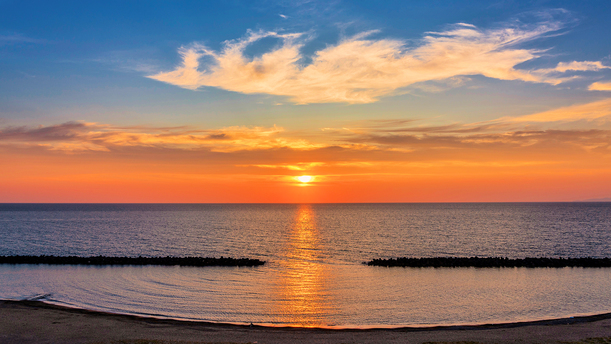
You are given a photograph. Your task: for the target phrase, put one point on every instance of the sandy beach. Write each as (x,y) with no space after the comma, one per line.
(37,322)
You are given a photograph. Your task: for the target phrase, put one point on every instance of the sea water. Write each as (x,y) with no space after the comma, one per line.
(314,274)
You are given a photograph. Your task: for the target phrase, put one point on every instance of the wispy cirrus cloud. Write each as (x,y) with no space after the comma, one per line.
(580,66)
(486,143)
(588,111)
(515,136)
(362,68)
(16,38)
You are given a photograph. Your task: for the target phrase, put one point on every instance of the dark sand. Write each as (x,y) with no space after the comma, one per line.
(37,322)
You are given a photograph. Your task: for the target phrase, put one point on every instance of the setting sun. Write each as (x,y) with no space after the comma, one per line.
(305,179)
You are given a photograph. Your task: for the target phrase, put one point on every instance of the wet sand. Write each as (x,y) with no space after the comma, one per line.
(37,322)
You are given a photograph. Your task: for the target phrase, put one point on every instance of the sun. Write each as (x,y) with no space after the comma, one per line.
(305,179)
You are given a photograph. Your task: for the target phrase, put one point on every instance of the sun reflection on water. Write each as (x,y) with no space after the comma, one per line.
(302,296)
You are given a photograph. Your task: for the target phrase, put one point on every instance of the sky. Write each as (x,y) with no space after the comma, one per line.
(232,101)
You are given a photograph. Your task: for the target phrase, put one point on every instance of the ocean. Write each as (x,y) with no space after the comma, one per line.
(313,274)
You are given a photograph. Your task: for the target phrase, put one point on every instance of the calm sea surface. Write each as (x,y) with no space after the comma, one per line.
(314,275)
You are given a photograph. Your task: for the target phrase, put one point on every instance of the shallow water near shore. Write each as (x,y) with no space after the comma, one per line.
(314,275)
(352,297)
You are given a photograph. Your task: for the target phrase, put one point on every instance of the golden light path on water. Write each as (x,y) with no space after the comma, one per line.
(301,279)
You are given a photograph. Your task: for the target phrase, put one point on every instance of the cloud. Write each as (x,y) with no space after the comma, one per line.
(441,85)
(363,144)
(379,146)
(291,167)
(580,66)
(18,38)
(554,74)
(410,126)
(378,137)
(361,68)
(571,113)
(509,137)
(128,60)
(233,71)
(61,132)
(486,142)
(600,86)
(80,136)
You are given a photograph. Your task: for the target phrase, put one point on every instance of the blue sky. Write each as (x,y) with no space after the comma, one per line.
(74,60)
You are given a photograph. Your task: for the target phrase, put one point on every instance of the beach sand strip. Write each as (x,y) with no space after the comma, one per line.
(26,322)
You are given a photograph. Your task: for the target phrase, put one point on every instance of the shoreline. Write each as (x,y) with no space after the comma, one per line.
(40,322)
(43,303)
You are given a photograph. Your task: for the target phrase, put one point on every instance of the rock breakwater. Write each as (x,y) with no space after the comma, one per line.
(103,260)
(492,262)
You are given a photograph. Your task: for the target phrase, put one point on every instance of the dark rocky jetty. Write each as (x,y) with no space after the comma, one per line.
(102,260)
(492,262)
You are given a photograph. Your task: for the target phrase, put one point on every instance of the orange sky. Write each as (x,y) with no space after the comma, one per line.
(533,158)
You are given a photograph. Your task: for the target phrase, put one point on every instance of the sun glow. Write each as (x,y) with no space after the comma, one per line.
(305,179)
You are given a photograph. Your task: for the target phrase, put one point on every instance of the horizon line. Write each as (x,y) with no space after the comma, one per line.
(600,200)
